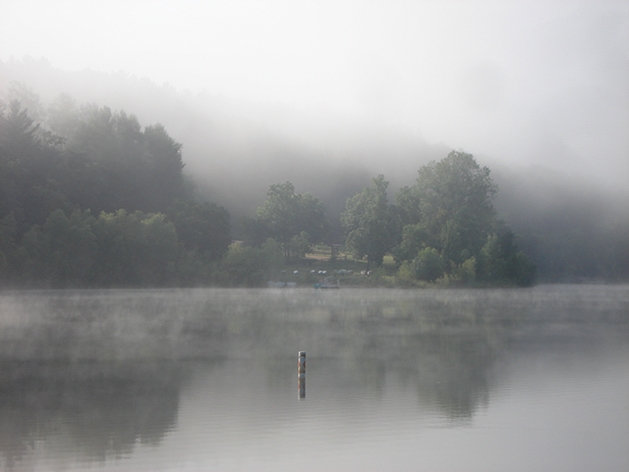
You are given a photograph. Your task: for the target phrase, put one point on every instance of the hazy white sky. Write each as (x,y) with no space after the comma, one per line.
(535,80)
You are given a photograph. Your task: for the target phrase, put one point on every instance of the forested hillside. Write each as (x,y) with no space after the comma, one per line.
(90,198)
(92,161)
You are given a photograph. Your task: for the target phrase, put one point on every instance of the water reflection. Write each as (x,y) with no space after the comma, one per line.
(301,375)
(101,409)
(103,375)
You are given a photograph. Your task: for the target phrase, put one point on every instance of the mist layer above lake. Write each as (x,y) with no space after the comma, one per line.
(207,379)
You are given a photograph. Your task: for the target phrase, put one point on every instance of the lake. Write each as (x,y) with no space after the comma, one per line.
(397,380)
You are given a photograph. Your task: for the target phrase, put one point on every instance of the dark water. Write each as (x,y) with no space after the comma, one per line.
(396,380)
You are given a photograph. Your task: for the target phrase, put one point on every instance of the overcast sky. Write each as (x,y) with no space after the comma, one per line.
(537,82)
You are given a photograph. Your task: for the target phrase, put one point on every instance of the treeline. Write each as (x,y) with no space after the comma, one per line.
(89,198)
(443,229)
(573,225)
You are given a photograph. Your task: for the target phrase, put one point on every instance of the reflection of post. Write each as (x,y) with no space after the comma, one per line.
(301,374)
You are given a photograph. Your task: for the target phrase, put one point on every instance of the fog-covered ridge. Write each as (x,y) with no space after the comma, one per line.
(234,149)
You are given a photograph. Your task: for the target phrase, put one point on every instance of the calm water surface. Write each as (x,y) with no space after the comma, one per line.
(435,380)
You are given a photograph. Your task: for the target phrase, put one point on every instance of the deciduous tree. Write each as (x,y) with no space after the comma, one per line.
(370,223)
(456,200)
(286,214)
(202,227)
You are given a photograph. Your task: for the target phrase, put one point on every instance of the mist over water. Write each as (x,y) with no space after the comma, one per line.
(327,95)
(206,379)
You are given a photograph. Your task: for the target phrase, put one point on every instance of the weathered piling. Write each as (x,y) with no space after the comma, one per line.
(301,374)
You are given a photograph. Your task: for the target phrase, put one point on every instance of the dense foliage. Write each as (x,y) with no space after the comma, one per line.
(89,198)
(294,220)
(571,223)
(370,223)
(444,227)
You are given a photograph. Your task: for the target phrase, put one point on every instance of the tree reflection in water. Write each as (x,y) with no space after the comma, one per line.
(119,359)
(101,409)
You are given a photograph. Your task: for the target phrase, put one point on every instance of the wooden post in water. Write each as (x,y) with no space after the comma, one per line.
(301,374)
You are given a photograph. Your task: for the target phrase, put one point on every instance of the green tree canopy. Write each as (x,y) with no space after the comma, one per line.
(246,266)
(127,167)
(455,198)
(104,162)
(500,261)
(370,223)
(449,213)
(18,130)
(286,214)
(202,227)
(135,249)
(31,170)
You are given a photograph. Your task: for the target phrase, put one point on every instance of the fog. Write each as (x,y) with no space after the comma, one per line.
(95,376)
(330,94)
(540,82)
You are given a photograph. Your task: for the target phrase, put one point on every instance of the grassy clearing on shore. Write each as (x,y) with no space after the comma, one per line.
(320,264)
